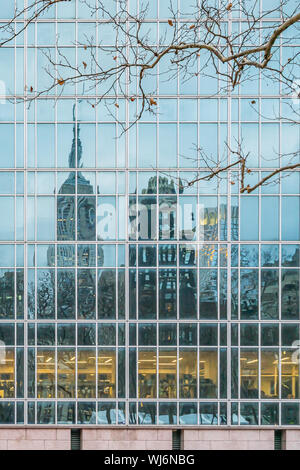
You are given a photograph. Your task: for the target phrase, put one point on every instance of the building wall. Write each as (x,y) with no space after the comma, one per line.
(35,439)
(146,439)
(228,439)
(131,439)
(291,440)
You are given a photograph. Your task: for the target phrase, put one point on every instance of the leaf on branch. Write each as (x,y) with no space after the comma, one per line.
(153,102)
(253,102)
(249,171)
(31,89)
(229,6)
(85,47)
(192,26)
(60,81)
(115,58)
(116,105)
(170,23)
(232,182)
(84,65)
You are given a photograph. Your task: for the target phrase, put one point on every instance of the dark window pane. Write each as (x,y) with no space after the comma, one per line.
(7,333)
(188,293)
(188,334)
(269,334)
(249,414)
(289,333)
(188,413)
(147,255)
(290,414)
(86,413)
(208,413)
(7,293)
(269,294)
(66,334)
(167,334)
(65,293)
(290,294)
(45,293)
(208,282)
(147,293)
(46,334)
(147,413)
(167,413)
(65,412)
(269,413)
(86,334)
(249,334)
(86,293)
(46,413)
(147,334)
(106,293)
(106,334)
(249,294)
(208,335)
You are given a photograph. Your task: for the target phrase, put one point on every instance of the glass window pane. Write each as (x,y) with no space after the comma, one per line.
(249,373)
(66,367)
(106,373)
(208,373)
(7,372)
(167,373)
(147,373)
(188,373)
(45,373)
(289,374)
(269,373)
(86,373)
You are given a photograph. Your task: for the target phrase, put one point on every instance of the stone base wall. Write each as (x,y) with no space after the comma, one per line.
(228,439)
(35,439)
(291,439)
(146,439)
(126,439)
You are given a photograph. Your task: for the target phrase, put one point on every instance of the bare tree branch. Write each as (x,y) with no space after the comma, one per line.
(231,41)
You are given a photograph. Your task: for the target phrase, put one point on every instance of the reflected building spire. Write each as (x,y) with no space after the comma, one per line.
(66,207)
(76,142)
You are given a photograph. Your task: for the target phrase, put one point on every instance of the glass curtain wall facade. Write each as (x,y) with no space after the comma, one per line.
(189,321)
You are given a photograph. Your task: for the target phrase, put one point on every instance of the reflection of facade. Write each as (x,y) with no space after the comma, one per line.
(66,205)
(180,323)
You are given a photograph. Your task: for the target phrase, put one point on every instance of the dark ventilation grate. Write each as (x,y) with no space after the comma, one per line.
(75,439)
(278,440)
(176,440)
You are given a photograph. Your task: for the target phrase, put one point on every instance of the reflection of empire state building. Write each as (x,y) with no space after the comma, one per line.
(66,207)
